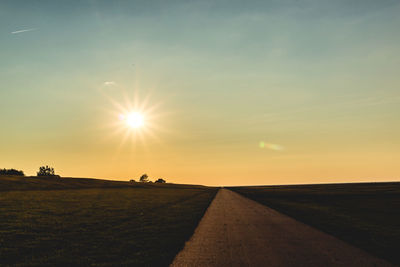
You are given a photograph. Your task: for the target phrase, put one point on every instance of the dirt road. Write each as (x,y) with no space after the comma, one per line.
(237,231)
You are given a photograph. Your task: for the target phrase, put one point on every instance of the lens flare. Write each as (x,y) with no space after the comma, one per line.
(270,146)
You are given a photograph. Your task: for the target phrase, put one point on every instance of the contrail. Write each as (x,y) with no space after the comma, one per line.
(26,30)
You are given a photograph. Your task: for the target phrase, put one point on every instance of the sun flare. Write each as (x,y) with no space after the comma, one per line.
(134,120)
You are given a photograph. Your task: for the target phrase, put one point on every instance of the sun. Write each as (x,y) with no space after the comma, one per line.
(134,120)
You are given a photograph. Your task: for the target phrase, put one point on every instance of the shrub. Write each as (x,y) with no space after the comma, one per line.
(46,171)
(11,172)
(144,178)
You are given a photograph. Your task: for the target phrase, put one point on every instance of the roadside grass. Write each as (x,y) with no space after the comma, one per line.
(135,226)
(366,215)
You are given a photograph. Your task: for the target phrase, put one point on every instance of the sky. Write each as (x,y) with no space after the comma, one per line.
(232,92)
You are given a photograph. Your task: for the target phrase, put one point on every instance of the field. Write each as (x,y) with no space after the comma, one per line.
(110,224)
(9,183)
(366,215)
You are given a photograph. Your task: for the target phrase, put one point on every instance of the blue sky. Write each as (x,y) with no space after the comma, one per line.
(319,78)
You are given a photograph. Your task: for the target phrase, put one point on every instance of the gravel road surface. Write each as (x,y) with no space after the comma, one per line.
(237,231)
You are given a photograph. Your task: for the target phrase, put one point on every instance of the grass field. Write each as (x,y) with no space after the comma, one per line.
(132,225)
(366,215)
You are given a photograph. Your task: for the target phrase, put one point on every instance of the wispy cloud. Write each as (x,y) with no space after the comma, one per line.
(109,83)
(24,30)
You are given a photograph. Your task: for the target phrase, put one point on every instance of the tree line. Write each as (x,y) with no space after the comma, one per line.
(49,172)
(43,171)
(11,172)
(145,179)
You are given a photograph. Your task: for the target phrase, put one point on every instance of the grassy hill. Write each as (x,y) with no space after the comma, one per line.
(363,214)
(8,183)
(49,222)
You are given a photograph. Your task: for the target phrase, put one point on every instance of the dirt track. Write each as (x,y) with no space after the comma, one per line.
(236,231)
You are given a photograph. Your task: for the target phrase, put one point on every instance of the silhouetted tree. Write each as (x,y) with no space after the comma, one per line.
(144,178)
(132,181)
(160,180)
(11,172)
(46,171)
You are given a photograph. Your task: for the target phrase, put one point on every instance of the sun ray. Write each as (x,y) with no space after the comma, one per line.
(135,119)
